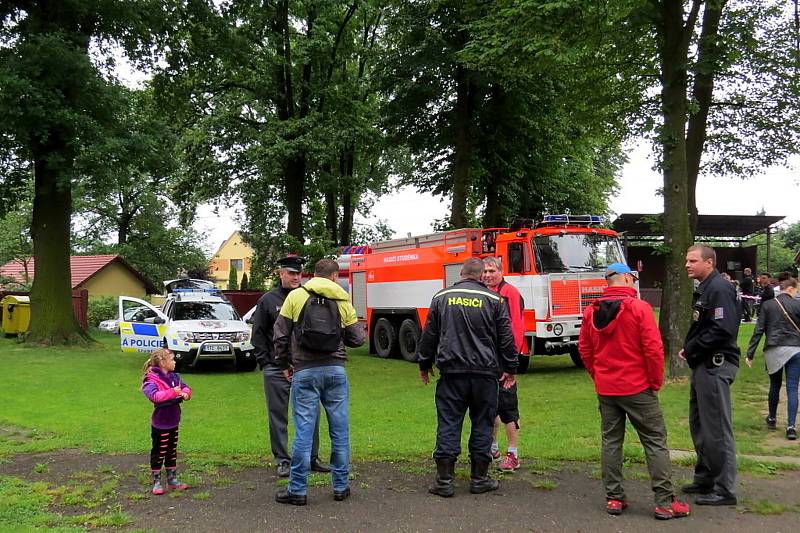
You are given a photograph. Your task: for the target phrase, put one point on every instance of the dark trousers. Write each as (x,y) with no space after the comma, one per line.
(747,309)
(644,412)
(276,393)
(455,395)
(712,428)
(165,448)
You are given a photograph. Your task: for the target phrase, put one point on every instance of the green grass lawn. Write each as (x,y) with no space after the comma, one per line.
(66,397)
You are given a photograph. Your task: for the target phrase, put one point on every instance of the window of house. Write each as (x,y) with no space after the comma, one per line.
(238,264)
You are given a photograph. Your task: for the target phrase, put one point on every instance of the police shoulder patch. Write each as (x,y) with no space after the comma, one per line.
(719,313)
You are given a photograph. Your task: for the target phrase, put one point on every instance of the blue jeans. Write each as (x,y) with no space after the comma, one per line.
(310,387)
(792,369)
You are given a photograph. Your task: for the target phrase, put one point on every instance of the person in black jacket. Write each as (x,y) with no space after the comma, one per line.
(276,386)
(767,292)
(712,353)
(748,287)
(778,320)
(468,336)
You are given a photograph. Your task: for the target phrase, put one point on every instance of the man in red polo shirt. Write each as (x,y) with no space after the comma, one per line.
(621,349)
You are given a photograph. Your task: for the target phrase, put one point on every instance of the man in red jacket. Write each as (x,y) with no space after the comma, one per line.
(507,401)
(621,348)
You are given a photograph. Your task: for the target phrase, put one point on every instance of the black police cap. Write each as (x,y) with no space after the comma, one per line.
(292,263)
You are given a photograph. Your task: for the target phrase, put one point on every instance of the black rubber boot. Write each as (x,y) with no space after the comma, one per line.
(480,481)
(445,472)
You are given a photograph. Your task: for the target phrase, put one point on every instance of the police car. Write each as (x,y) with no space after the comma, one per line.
(196,324)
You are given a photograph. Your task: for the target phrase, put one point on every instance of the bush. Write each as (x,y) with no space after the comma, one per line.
(101,308)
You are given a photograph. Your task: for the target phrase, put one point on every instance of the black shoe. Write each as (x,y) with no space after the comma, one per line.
(284,496)
(696,488)
(340,496)
(284,468)
(316,466)
(714,498)
(445,473)
(791,433)
(771,423)
(480,481)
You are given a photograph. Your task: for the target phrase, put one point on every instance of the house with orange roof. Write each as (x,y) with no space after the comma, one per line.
(101,275)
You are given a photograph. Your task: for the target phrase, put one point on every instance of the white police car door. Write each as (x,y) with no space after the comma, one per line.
(141,325)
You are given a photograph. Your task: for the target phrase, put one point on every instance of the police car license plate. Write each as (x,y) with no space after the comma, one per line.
(216,348)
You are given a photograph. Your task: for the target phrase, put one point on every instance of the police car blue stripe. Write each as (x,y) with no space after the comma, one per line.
(148,330)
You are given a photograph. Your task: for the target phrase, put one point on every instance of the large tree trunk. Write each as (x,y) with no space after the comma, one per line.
(702,93)
(491,217)
(348,207)
(676,291)
(294,179)
(52,318)
(294,168)
(462,149)
(124,226)
(332,202)
(496,179)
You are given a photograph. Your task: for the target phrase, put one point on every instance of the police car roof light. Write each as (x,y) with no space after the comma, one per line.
(198,290)
(186,292)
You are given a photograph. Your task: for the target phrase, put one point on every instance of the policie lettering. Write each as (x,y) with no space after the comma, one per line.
(142,343)
(465,302)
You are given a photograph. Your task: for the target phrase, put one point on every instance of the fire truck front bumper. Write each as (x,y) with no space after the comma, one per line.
(560,346)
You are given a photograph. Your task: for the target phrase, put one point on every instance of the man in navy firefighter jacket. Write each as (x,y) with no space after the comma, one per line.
(468,336)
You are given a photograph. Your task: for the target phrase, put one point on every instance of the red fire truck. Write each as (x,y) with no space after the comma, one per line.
(557,265)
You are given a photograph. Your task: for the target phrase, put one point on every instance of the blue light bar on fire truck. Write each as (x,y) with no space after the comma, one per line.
(573,220)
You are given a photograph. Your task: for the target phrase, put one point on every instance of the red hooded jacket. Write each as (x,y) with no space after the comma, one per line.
(620,344)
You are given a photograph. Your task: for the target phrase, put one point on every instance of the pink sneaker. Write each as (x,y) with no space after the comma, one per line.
(510,463)
(496,455)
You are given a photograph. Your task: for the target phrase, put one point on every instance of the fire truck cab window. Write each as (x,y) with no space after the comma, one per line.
(516,258)
(576,252)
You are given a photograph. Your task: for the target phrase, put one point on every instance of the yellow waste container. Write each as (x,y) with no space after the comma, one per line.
(16,314)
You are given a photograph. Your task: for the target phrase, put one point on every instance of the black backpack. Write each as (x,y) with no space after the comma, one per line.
(319,325)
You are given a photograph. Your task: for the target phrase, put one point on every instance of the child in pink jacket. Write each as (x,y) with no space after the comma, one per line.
(164,388)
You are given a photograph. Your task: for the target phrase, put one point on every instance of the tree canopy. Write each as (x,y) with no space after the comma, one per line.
(307,111)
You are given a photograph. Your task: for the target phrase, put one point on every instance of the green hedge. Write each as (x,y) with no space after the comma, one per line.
(101,308)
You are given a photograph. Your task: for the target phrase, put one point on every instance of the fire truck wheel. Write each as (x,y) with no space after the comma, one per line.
(524,361)
(576,357)
(384,338)
(409,337)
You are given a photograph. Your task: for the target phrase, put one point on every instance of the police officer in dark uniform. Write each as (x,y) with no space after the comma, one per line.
(276,386)
(712,353)
(468,336)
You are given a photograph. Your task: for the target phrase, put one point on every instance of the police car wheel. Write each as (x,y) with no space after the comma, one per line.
(408,339)
(243,364)
(384,337)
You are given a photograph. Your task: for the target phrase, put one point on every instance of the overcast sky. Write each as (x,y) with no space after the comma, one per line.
(777,191)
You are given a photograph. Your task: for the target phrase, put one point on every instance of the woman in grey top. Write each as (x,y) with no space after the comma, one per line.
(779,319)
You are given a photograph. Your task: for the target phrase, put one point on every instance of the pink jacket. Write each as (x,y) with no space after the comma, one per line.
(159,387)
